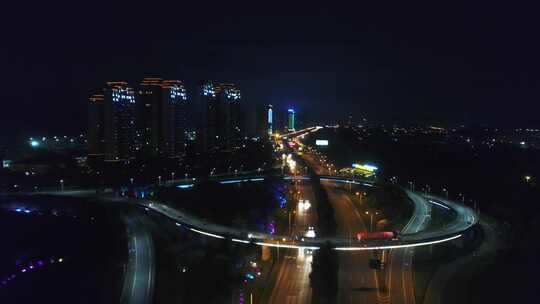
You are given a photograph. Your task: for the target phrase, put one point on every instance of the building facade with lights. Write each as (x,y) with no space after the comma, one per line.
(221,123)
(265,120)
(111,118)
(161,116)
(291,120)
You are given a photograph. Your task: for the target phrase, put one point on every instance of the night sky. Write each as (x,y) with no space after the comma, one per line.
(454,63)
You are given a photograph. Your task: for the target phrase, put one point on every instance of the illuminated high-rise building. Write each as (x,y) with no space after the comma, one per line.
(111,119)
(230,113)
(175,93)
(207,127)
(265,120)
(161,116)
(270,119)
(96,127)
(291,120)
(119,120)
(221,116)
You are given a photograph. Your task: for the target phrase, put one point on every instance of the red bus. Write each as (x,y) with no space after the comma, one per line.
(364,235)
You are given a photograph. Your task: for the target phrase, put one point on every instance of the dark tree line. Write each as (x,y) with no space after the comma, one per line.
(324,274)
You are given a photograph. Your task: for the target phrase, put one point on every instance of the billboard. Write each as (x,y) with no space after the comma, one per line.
(321,142)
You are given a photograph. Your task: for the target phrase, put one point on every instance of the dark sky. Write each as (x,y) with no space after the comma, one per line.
(470,63)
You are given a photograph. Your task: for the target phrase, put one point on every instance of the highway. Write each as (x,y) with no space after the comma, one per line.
(400,280)
(413,236)
(293,268)
(465,219)
(357,282)
(139,276)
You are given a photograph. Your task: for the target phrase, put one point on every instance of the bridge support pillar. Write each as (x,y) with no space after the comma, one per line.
(265,256)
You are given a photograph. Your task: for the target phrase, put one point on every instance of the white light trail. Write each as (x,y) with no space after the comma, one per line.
(206,233)
(286,246)
(439,204)
(398,246)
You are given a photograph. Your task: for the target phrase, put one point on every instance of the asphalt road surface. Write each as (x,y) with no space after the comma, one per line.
(139,277)
(294,265)
(357,282)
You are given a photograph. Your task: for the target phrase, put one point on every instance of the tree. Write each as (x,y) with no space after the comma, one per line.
(324,273)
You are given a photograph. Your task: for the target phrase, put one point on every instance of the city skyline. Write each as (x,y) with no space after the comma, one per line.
(227,152)
(465,67)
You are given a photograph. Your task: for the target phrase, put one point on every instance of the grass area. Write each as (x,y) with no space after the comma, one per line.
(428,259)
(250,205)
(440,218)
(390,207)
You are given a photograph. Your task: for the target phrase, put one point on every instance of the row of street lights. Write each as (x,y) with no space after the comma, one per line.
(427,190)
(159,178)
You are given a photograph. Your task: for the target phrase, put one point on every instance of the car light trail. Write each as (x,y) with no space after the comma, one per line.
(286,246)
(207,233)
(398,246)
(439,204)
(240,241)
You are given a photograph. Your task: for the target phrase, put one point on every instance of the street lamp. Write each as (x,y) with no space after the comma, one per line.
(131,180)
(370,220)
(159,180)
(172,176)
(185,175)
(62,185)
(411,185)
(445,191)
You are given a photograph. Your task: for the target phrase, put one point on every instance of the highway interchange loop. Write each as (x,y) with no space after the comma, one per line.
(412,235)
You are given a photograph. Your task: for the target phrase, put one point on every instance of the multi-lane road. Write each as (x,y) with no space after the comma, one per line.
(139,276)
(294,265)
(357,282)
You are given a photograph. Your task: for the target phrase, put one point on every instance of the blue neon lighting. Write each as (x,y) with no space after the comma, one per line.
(233,181)
(185,186)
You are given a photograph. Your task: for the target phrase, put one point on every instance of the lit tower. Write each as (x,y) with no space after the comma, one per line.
(176,124)
(291,120)
(119,120)
(207,129)
(162,116)
(148,114)
(229,115)
(270,120)
(222,119)
(96,129)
